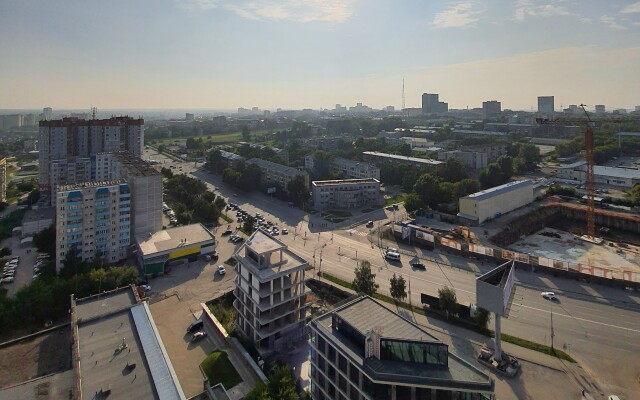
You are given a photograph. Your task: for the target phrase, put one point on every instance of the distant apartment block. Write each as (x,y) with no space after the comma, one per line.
(492,150)
(432,105)
(71,138)
(378,158)
(492,203)
(346,193)
(325,143)
(3,180)
(472,160)
(232,160)
(363,350)
(270,293)
(491,109)
(93,219)
(351,169)
(278,173)
(600,109)
(546,105)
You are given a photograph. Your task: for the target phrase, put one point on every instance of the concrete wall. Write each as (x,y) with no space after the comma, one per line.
(502,203)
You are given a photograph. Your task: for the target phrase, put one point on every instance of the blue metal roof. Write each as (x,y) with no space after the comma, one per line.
(498,190)
(74,194)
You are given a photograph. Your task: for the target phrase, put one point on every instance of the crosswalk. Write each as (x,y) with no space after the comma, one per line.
(356,232)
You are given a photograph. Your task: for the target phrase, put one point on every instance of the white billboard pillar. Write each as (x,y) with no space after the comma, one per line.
(497,355)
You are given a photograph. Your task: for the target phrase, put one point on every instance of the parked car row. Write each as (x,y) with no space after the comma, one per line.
(9,270)
(172,216)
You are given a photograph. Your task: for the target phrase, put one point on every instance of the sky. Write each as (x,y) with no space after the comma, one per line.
(292,54)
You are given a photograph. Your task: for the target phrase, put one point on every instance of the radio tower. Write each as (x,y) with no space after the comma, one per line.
(403,93)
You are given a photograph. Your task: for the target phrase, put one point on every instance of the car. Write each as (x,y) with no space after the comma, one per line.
(285,231)
(418,265)
(214,255)
(146,288)
(221,270)
(369,224)
(198,336)
(195,326)
(12,263)
(227,232)
(613,397)
(7,280)
(237,239)
(549,296)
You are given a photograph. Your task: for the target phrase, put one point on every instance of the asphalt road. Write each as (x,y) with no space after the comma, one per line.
(598,326)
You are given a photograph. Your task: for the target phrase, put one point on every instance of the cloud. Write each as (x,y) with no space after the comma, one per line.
(527,8)
(612,23)
(277,10)
(195,5)
(631,8)
(460,15)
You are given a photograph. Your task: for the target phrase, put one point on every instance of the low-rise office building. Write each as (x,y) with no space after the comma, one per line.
(363,350)
(491,203)
(270,293)
(159,249)
(278,173)
(346,193)
(350,168)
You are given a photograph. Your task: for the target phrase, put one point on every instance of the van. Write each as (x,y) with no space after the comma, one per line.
(392,256)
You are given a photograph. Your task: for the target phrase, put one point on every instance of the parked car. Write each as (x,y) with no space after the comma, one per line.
(198,336)
(549,296)
(369,224)
(195,326)
(285,231)
(221,270)
(7,279)
(227,232)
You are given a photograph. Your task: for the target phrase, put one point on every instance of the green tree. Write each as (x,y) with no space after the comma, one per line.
(448,300)
(506,167)
(398,287)
(465,187)
(481,318)
(452,170)
(528,158)
(491,176)
(364,281)
(413,202)
(298,191)
(428,188)
(634,193)
(248,225)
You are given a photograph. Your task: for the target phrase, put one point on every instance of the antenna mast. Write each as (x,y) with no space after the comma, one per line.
(403,107)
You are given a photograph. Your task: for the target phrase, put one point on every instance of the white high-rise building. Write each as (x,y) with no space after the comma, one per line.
(546,105)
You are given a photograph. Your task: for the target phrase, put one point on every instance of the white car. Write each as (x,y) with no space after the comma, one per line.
(549,296)
(221,270)
(7,280)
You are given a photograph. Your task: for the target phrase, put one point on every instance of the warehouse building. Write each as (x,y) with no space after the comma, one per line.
(346,193)
(363,350)
(606,176)
(492,203)
(158,250)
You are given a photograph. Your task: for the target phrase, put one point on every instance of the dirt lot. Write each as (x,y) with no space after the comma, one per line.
(40,356)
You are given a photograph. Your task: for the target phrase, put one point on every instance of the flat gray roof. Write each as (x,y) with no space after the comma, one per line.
(102,369)
(627,173)
(173,238)
(426,161)
(338,182)
(498,190)
(262,243)
(104,304)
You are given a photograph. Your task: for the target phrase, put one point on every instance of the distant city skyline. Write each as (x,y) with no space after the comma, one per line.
(292,54)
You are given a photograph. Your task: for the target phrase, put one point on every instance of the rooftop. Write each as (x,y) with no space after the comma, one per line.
(628,173)
(85,185)
(283,169)
(230,156)
(261,243)
(345,182)
(472,132)
(364,314)
(172,238)
(73,121)
(426,161)
(498,190)
(104,304)
(135,166)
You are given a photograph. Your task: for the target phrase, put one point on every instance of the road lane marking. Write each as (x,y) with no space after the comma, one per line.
(582,319)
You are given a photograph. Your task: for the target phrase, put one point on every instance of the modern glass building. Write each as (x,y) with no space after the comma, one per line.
(363,350)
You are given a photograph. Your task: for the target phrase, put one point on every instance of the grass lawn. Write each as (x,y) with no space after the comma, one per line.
(396,199)
(222,309)
(218,368)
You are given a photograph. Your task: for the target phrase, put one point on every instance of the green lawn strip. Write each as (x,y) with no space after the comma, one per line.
(527,344)
(394,200)
(226,218)
(218,369)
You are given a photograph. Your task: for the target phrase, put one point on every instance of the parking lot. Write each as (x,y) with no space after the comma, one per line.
(175,302)
(23,273)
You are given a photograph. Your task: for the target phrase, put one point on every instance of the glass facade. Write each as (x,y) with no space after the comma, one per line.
(414,352)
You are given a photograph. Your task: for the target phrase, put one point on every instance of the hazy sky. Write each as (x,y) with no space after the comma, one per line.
(316,53)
